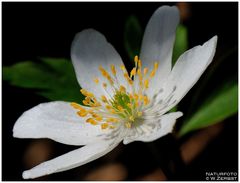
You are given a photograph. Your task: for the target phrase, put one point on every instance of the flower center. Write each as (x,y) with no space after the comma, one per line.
(125,105)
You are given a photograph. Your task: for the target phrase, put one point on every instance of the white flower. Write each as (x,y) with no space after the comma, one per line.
(118,107)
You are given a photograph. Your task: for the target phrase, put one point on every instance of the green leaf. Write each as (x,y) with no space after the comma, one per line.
(52,78)
(222,105)
(181,42)
(132,37)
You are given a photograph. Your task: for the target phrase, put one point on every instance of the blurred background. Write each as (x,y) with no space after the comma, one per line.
(35,30)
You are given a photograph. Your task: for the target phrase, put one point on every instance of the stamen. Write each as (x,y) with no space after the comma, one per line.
(112,120)
(128,125)
(97,117)
(76,106)
(136,59)
(105,85)
(92,121)
(139,114)
(145,71)
(131,118)
(86,93)
(122,67)
(139,63)
(113,70)
(104,99)
(120,108)
(133,72)
(82,113)
(104,125)
(106,75)
(146,83)
(122,89)
(96,80)
(146,100)
(124,105)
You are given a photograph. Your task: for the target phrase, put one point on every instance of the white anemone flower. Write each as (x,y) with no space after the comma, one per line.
(118,106)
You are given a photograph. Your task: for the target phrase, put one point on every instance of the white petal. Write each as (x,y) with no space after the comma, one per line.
(154,128)
(72,159)
(157,44)
(90,50)
(188,69)
(57,121)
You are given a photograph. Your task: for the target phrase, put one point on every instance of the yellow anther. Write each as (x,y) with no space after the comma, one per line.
(86,93)
(104,99)
(108,107)
(113,111)
(110,79)
(141,97)
(122,67)
(156,65)
(129,105)
(136,59)
(103,71)
(136,96)
(112,127)
(85,102)
(137,104)
(128,125)
(126,75)
(98,104)
(104,125)
(133,72)
(94,123)
(94,115)
(152,74)
(145,70)
(97,117)
(131,96)
(91,111)
(120,108)
(112,120)
(127,78)
(131,118)
(139,113)
(130,82)
(96,80)
(122,89)
(76,106)
(146,83)
(139,63)
(106,74)
(88,99)
(104,85)
(91,121)
(140,75)
(83,91)
(82,113)
(113,69)
(94,100)
(146,100)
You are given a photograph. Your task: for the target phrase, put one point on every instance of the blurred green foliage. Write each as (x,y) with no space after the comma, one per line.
(222,104)
(181,42)
(53,78)
(133,34)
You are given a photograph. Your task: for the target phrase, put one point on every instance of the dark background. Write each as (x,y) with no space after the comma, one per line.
(32,30)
